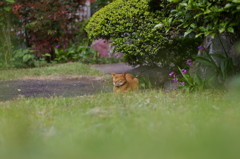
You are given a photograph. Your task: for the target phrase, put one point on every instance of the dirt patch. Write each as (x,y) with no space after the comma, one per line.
(48,87)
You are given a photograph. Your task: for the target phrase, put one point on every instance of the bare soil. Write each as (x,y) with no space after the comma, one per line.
(65,87)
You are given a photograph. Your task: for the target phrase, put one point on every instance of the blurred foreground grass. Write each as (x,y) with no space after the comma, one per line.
(148,124)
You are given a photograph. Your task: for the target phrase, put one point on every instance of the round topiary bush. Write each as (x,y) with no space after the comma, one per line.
(130,25)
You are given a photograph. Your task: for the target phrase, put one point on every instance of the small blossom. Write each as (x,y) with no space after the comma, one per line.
(184,71)
(200,48)
(57,46)
(175,80)
(188,62)
(183,83)
(65,49)
(172,73)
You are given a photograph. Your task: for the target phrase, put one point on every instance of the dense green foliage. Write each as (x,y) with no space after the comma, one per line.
(200,17)
(130,26)
(98,4)
(38,26)
(177,51)
(81,53)
(25,58)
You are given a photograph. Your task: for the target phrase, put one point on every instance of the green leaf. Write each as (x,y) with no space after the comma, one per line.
(228,5)
(196,36)
(221,30)
(193,25)
(183,4)
(7,9)
(236,1)
(211,78)
(230,29)
(10,1)
(207,33)
(205,61)
(223,67)
(27,57)
(218,55)
(173,0)
(185,25)
(160,25)
(187,32)
(170,21)
(186,77)
(47,55)
(197,15)
(207,11)
(167,29)
(213,35)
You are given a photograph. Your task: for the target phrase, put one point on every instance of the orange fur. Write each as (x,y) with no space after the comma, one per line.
(123,83)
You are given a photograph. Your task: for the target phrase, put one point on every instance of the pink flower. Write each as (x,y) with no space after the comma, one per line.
(200,48)
(188,62)
(57,46)
(172,73)
(183,83)
(175,79)
(184,71)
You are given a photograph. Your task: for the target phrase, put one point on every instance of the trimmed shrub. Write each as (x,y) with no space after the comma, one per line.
(130,25)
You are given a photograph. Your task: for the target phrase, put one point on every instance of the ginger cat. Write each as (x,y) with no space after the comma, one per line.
(123,83)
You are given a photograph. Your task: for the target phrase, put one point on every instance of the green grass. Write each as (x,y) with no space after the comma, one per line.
(69,69)
(149,124)
(146,124)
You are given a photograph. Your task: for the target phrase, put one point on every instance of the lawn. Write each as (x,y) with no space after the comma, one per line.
(54,71)
(146,124)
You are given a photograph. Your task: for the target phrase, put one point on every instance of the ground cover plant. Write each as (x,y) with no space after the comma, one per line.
(82,53)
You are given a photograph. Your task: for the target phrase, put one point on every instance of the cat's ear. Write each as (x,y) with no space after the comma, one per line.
(113,74)
(124,74)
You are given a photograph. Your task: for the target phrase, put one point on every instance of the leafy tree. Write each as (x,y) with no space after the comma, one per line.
(47,23)
(200,17)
